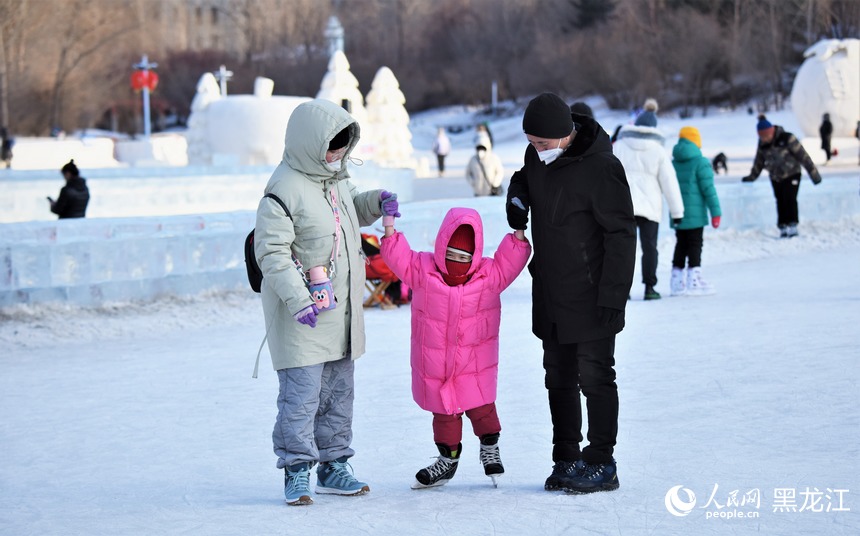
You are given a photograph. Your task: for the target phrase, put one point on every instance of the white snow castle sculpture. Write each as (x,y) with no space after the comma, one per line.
(828,82)
(238,129)
(388,122)
(340,86)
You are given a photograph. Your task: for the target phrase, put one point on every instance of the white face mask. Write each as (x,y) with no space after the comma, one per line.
(334,167)
(549,156)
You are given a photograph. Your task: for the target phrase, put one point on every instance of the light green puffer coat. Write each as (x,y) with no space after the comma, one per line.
(303,183)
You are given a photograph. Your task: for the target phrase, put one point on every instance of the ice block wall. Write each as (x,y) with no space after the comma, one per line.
(96,260)
(167,191)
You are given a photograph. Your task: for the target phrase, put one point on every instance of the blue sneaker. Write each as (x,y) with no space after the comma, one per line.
(562,470)
(594,477)
(297,484)
(335,477)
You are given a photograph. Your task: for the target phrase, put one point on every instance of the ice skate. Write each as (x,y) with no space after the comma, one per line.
(678,285)
(441,471)
(696,285)
(490,458)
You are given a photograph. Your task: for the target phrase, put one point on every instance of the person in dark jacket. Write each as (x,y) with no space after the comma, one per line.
(826,132)
(6,143)
(584,237)
(781,153)
(74,196)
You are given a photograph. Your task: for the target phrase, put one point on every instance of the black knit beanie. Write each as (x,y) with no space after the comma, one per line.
(340,140)
(547,116)
(70,168)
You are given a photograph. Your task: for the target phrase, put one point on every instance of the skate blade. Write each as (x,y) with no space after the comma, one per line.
(304,500)
(495,479)
(419,485)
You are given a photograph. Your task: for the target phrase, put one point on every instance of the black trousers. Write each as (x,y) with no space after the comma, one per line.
(825,144)
(586,366)
(440,160)
(648,238)
(688,245)
(785,192)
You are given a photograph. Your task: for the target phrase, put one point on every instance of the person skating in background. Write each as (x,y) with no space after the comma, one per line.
(441,148)
(826,133)
(696,180)
(74,196)
(584,238)
(314,314)
(781,153)
(6,143)
(482,130)
(651,177)
(484,170)
(456,310)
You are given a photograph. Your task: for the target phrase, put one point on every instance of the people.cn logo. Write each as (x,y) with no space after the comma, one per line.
(678,506)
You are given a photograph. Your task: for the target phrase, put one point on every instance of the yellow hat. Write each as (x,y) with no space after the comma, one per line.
(692,134)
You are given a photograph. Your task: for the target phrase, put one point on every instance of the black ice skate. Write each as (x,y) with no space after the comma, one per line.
(490,458)
(441,471)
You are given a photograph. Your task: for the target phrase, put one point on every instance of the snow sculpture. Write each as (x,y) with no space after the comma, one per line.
(828,81)
(238,129)
(388,122)
(339,85)
(207,92)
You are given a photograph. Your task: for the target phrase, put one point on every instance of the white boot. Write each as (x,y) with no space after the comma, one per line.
(696,286)
(678,286)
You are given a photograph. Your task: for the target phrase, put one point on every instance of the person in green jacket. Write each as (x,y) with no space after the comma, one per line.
(696,179)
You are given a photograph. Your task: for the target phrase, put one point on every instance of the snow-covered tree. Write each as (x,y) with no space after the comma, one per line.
(388,121)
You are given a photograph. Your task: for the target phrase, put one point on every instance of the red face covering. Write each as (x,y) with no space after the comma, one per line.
(464,240)
(456,272)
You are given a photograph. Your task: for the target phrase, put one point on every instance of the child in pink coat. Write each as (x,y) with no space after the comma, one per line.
(456,311)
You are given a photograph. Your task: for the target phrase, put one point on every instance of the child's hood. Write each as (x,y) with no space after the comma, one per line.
(456,217)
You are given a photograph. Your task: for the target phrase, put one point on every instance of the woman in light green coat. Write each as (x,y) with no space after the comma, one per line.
(313,350)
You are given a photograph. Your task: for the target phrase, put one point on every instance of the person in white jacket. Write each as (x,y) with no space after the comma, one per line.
(485,170)
(651,177)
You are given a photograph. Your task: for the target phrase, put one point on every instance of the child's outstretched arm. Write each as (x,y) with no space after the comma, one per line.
(398,255)
(510,258)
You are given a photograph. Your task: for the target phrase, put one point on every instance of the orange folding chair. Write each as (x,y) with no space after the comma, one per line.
(378,275)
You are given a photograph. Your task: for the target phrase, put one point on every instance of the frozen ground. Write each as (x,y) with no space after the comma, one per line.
(143,418)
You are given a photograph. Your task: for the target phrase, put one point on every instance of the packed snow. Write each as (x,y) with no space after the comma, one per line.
(142,417)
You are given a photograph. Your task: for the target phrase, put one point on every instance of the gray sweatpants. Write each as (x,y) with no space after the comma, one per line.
(314,413)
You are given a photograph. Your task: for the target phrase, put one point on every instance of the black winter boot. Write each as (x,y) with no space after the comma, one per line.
(651,294)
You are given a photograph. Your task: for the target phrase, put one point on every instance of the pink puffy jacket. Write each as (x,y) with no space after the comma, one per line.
(455,330)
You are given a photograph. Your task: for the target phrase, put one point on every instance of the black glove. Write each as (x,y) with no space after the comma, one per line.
(677,221)
(608,315)
(518,214)
(748,178)
(816,180)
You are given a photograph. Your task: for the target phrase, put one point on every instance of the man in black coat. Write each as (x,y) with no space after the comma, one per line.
(584,237)
(74,196)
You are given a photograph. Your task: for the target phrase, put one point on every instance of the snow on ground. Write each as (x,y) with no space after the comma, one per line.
(142,418)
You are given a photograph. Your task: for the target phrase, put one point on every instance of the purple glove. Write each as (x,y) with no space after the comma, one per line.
(389,204)
(308,315)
